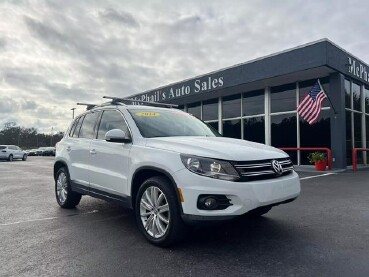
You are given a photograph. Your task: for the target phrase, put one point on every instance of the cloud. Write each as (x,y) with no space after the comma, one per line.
(120,17)
(54,54)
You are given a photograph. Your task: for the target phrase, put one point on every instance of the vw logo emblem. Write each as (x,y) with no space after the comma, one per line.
(277,167)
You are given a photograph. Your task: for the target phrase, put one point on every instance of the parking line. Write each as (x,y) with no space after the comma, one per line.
(46,218)
(316,176)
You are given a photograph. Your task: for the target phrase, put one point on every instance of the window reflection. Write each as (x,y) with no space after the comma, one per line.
(253,102)
(254,129)
(284,132)
(366,93)
(232,128)
(232,106)
(317,135)
(283,98)
(348,94)
(210,109)
(348,138)
(195,109)
(356,97)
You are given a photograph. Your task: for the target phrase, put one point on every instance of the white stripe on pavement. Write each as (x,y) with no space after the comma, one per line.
(46,218)
(316,176)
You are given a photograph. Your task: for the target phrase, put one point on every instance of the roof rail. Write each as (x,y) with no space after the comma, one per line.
(88,105)
(116,100)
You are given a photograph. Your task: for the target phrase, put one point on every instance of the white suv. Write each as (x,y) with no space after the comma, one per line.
(168,166)
(11,152)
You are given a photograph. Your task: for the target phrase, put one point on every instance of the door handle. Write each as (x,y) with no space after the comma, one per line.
(93,152)
(69,148)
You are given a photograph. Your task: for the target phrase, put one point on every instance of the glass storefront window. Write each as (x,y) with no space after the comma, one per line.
(317,135)
(253,103)
(366,93)
(284,132)
(254,129)
(367,138)
(348,138)
(283,98)
(210,109)
(348,94)
(232,128)
(356,97)
(195,109)
(357,136)
(232,106)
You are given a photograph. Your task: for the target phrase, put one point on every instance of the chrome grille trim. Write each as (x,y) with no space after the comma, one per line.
(262,168)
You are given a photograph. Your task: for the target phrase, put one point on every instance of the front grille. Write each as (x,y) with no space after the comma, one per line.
(262,169)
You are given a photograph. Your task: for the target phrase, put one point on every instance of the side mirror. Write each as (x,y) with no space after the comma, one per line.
(117,135)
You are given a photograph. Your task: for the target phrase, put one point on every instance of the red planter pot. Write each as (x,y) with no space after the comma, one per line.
(320,165)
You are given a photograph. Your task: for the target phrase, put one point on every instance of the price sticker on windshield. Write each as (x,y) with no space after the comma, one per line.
(148,114)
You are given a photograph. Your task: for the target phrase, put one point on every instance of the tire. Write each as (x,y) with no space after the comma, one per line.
(65,197)
(175,228)
(24,157)
(258,212)
(10,158)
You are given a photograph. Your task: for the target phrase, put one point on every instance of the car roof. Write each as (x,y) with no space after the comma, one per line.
(130,107)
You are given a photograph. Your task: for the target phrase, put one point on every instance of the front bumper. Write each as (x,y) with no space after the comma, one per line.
(244,196)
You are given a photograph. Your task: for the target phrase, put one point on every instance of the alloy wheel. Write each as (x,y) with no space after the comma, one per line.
(61,187)
(154,212)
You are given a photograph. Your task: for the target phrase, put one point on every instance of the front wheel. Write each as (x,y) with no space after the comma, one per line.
(24,157)
(158,213)
(10,158)
(65,197)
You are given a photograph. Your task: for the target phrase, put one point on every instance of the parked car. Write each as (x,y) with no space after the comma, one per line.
(170,167)
(46,151)
(11,152)
(32,152)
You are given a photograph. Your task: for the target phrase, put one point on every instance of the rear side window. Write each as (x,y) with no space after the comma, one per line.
(111,120)
(2,147)
(89,125)
(73,127)
(78,126)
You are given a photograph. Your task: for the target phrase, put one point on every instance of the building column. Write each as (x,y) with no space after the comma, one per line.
(338,120)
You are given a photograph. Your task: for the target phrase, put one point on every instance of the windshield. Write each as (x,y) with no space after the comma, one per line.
(170,123)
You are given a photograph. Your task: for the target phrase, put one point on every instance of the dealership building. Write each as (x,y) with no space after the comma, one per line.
(257,100)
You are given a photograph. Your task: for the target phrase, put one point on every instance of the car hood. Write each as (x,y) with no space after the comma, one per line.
(217,147)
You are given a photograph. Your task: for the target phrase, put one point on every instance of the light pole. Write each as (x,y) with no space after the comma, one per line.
(51,137)
(72,109)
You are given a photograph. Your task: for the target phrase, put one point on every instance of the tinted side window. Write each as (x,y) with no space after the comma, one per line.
(111,120)
(88,125)
(78,126)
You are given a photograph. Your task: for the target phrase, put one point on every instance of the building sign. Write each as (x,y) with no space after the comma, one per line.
(358,69)
(199,85)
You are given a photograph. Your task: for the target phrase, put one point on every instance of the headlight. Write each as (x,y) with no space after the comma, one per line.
(210,167)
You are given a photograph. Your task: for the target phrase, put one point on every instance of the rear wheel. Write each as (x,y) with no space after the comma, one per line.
(10,158)
(24,157)
(65,197)
(158,213)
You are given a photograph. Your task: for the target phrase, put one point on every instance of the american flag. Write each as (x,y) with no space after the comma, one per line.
(310,106)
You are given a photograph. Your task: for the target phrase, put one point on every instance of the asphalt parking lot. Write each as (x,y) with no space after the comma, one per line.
(325,232)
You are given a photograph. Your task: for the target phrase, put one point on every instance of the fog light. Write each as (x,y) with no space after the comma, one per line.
(210,203)
(213,202)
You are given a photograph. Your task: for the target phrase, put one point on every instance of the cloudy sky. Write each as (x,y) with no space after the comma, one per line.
(56,53)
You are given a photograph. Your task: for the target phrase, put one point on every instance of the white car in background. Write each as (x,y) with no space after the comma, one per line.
(170,167)
(11,152)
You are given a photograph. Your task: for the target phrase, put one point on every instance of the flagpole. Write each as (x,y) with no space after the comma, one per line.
(329,99)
